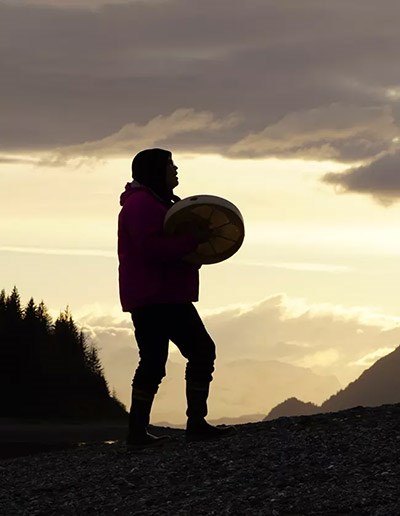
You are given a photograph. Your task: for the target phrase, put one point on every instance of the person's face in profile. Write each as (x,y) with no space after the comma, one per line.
(171,176)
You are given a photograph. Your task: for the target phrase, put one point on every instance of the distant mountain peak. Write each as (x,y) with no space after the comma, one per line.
(292,407)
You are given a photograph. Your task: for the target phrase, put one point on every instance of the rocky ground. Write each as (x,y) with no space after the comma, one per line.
(326,464)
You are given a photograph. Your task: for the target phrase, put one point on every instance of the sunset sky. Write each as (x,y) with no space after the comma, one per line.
(289,109)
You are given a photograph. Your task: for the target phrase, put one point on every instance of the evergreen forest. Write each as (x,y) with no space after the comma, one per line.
(48,370)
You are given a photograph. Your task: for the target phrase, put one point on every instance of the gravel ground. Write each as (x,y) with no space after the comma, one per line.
(54,433)
(328,464)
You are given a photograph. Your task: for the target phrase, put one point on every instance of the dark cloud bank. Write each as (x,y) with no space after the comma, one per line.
(380,178)
(307,79)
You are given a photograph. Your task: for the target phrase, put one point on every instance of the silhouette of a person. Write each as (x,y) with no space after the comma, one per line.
(158,288)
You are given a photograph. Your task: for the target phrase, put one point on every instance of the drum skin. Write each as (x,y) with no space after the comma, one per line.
(223,218)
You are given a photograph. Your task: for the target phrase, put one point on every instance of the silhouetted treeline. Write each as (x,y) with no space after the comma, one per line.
(47,369)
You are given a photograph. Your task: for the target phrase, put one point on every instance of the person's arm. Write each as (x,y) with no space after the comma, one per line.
(144,223)
(168,248)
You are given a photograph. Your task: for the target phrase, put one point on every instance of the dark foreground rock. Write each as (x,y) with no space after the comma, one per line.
(326,464)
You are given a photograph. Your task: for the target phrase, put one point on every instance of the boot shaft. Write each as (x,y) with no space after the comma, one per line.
(196,397)
(139,414)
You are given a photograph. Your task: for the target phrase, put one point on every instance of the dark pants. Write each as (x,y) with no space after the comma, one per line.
(155,326)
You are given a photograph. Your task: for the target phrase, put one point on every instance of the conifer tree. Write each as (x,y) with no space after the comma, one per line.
(3,300)
(46,369)
(96,371)
(4,361)
(3,308)
(35,350)
(44,317)
(13,307)
(13,379)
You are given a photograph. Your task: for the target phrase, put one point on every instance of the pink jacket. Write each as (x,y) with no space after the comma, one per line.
(151,269)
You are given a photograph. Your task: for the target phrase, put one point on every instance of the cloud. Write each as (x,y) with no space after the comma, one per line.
(61,4)
(380,178)
(336,132)
(59,251)
(279,347)
(158,131)
(313,267)
(298,333)
(11,160)
(298,266)
(297,87)
(369,359)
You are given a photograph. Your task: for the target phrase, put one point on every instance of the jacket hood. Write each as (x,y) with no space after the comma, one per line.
(130,188)
(134,186)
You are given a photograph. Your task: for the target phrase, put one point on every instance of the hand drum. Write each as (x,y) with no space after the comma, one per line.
(224,220)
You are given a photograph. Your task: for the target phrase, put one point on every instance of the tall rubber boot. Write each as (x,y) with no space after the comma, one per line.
(197,428)
(139,418)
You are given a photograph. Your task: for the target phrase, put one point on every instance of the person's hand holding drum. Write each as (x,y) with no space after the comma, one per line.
(197,227)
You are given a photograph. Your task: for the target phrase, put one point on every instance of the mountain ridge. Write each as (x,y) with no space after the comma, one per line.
(378,385)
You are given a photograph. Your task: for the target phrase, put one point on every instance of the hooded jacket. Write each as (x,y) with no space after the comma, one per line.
(151,270)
